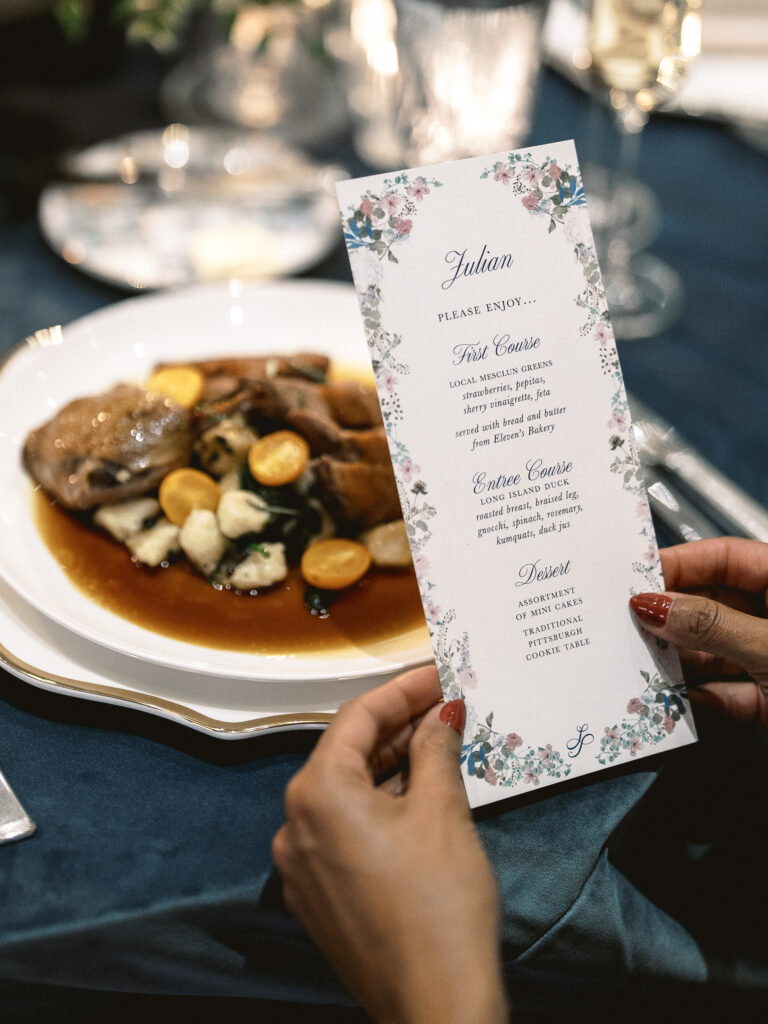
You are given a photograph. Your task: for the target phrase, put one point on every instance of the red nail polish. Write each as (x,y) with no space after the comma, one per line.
(454,714)
(651,608)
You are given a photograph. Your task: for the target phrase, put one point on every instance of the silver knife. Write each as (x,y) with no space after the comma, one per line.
(659,444)
(15,823)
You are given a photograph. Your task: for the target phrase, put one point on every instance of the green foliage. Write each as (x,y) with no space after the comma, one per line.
(73,16)
(159,22)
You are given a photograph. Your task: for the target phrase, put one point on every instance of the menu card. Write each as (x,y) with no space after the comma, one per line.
(516,465)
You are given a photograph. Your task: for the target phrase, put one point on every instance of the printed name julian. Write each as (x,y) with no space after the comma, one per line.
(464,267)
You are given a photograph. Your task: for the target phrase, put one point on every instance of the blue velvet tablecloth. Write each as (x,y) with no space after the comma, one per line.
(150,875)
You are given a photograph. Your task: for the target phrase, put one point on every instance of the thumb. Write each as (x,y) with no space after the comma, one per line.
(698,623)
(435,751)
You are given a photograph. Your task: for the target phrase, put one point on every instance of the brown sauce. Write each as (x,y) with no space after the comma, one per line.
(178,603)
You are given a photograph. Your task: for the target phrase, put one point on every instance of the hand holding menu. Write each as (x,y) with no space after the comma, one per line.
(516,465)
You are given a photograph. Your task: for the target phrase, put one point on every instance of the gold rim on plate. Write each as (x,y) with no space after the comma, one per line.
(160,705)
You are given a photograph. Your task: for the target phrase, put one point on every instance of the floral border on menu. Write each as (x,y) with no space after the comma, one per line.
(653,716)
(556,194)
(383,219)
(373,229)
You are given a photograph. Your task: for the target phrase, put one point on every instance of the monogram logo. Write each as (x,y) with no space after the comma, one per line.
(583,739)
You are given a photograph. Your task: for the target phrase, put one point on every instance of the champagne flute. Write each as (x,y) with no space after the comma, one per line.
(639,51)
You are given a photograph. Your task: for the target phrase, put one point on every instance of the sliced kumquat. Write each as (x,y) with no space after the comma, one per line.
(184,384)
(278,458)
(335,563)
(186,489)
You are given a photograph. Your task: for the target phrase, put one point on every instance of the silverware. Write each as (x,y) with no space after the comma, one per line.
(15,823)
(674,511)
(660,445)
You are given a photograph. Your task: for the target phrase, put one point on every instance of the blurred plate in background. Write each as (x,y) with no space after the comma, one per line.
(185,205)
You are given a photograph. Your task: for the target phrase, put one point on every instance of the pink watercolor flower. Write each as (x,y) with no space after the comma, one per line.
(403,226)
(503,173)
(531,175)
(669,723)
(433,612)
(391,201)
(554,172)
(532,201)
(408,469)
(418,189)
(636,745)
(635,706)
(366,207)
(421,564)
(513,741)
(388,379)
(619,421)
(545,753)
(490,776)
(650,555)
(530,776)
(602,334)
(612,734)
(467,678)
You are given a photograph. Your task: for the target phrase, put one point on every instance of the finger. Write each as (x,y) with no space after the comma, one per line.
(281,849)
(435,772)
(700,624)
(742,600)
(739,701)
(718,561)
(699,667)
(363,725)
(394,786)
(392,753)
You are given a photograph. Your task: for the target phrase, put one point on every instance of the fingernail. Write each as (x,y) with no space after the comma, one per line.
(454,714)
(651,609)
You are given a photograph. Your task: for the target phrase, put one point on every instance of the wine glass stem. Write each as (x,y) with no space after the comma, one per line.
(629,124)
(629,146)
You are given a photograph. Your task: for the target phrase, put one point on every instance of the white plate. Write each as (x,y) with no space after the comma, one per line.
(224,203)
(123,342)
(42,653)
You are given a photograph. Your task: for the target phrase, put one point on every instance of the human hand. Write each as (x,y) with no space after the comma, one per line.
(390,880)
(720,622)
